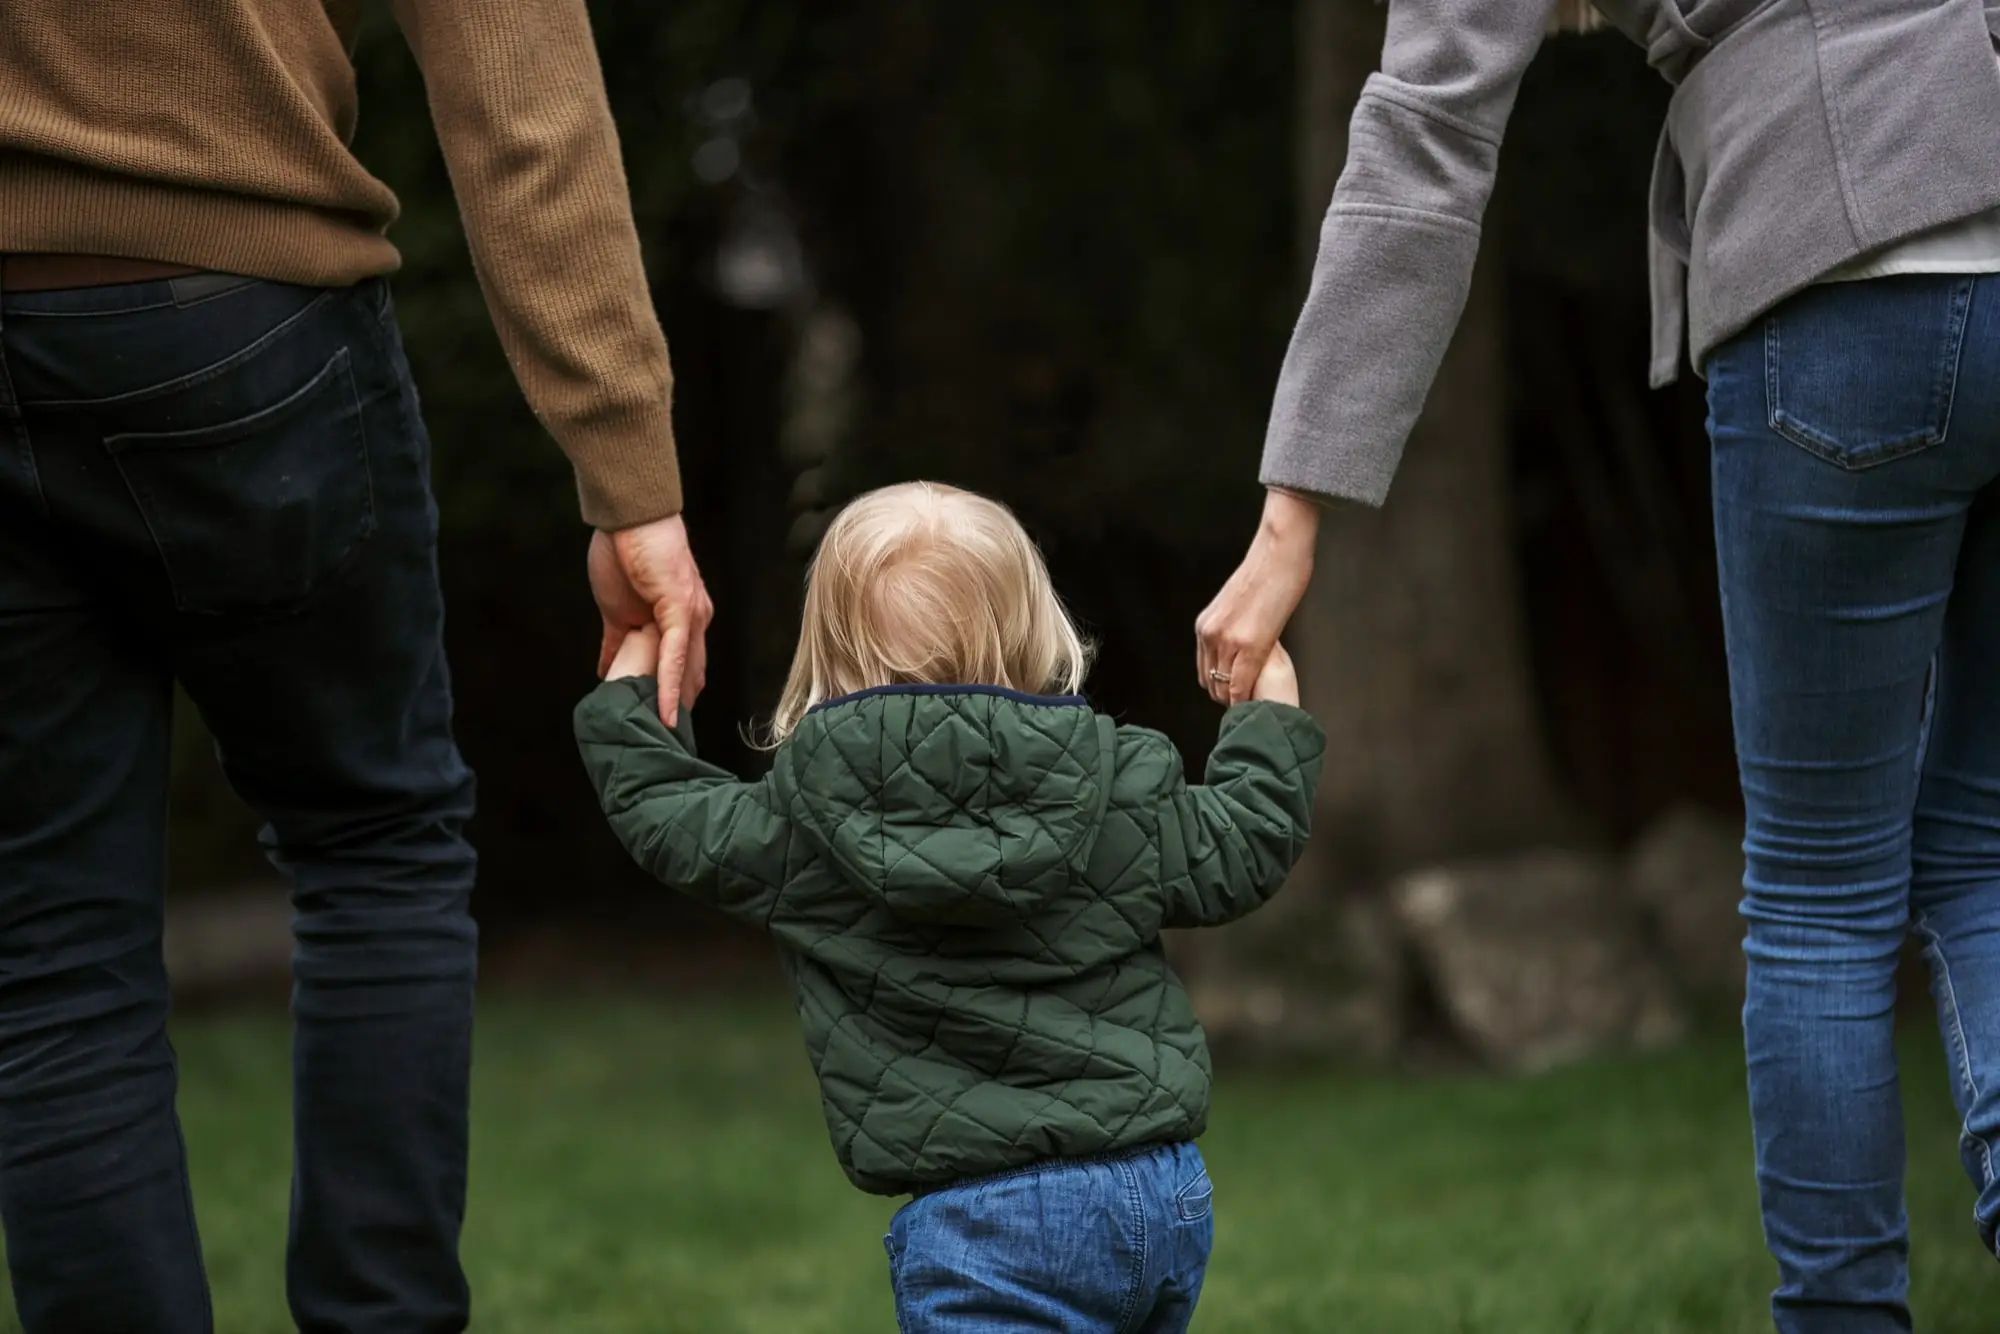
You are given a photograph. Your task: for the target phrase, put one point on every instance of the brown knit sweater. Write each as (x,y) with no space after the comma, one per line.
(215,133)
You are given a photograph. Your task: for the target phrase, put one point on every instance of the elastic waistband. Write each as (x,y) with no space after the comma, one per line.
(1044,1165)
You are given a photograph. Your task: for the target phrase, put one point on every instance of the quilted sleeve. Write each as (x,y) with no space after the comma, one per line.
(690,824)
(1229,843)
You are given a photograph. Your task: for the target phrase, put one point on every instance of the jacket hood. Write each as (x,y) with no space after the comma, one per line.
(956,806)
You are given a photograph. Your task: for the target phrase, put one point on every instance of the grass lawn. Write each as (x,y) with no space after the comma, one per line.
(661,1167)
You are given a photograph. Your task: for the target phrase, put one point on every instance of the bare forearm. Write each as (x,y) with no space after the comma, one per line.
(1236,634)
(1290,524)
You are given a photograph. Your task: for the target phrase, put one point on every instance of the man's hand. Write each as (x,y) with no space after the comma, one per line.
(647,576)
(1236,634)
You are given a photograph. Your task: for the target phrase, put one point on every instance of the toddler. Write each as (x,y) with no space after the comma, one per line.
(966,872)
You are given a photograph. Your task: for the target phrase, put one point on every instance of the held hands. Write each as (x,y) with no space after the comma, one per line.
(639,655)
(645,577)
(1238,635)
(1277,683)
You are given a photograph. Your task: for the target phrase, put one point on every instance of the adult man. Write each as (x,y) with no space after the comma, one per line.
(212,469)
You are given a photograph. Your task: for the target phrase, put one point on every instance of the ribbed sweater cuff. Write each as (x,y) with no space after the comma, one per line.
(626,471)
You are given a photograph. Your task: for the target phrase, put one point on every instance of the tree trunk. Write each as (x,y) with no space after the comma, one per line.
(1412,641)
(1412,650)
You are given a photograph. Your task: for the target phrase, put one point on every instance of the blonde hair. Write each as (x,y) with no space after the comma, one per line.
(925,584)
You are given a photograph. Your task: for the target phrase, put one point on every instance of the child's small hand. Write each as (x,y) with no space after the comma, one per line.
(639,655)
(1278,683)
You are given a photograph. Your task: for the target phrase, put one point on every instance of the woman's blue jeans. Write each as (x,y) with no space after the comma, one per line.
(1856,441)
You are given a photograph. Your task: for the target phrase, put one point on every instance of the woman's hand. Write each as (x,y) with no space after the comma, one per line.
(1236,634)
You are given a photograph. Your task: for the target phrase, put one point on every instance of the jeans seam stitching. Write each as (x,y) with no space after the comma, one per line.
(896,1279)
(1928,719)
(1774,394)
(19,420)
(207,297)
(32,314)
(1961,1056)
(214,370)
(1140,1258)
(1798,433)
(1945,392)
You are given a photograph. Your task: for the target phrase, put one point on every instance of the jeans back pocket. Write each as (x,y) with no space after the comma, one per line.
(255,513)
(1864,373)
(1196,1200)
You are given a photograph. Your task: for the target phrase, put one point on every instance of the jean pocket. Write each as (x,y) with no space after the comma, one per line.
(254,514)
(1196,1200)
(1864,373)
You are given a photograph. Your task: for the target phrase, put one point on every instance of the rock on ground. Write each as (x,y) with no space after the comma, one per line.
(1538,959)
(1686,874)
(231,939)
(1309,975)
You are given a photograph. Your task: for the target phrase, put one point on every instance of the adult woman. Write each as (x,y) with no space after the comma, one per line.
(1824,221)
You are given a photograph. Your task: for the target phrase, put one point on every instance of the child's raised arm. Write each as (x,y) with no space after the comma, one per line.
(1229,844)
(690,824)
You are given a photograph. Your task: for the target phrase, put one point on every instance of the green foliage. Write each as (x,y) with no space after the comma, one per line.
(641,1167)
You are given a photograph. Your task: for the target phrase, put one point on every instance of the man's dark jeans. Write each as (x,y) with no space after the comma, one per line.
(226,483)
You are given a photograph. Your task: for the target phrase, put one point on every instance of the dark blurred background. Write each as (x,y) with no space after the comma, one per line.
(1053,252)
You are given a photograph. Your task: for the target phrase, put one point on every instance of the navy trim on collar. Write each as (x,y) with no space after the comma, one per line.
(997,692)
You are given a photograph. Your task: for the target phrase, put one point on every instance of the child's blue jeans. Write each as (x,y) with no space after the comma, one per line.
(1116,1244)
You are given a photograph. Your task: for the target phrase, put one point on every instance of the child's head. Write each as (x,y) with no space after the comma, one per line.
(922,584)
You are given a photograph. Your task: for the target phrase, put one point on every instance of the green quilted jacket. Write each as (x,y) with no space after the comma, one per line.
(967,888)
